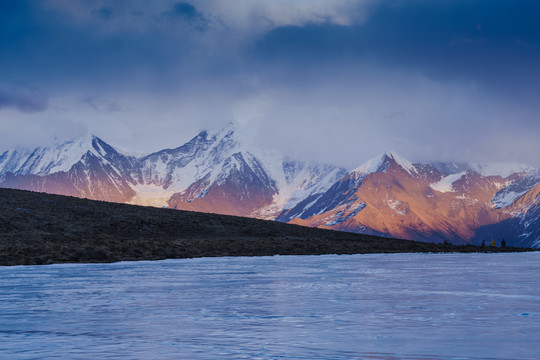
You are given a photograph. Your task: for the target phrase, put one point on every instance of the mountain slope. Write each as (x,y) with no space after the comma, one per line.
(388,195)
(225,172)
(84,167)
(219,172)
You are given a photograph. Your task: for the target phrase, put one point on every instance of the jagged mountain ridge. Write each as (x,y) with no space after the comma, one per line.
(389,196)
(213,172)
(221,172)
(84,167)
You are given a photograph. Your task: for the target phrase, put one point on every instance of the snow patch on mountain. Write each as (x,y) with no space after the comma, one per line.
(514,188)
(342,215)
(297,181)
(446,184)
(504,199)
(396,206)
(313,179)
(151,195)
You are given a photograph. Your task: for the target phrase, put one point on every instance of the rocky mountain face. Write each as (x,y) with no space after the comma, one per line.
(414,201)
(222,173)
(216,172)
(84,167)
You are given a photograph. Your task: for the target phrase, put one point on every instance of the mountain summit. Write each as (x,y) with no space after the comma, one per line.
(383,161)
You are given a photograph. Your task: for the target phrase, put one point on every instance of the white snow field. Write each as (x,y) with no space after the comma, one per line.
(406,306)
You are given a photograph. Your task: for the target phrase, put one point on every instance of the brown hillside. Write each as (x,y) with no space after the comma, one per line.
(38,228)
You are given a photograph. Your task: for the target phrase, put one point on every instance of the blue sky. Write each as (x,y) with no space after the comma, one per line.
(336,81)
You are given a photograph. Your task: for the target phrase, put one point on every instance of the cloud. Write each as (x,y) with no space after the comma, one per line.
(104,13)
(265,15)
(21,98)
(23,129)
(333,80)
(100,105)
(186,11)
(244,14)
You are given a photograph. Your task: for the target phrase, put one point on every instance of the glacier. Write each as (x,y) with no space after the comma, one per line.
(378,306)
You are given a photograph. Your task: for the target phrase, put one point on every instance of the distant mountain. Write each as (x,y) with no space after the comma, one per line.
(84,167)
(390,196)
(519,201)
(223,172)
(220,172)
(213,172)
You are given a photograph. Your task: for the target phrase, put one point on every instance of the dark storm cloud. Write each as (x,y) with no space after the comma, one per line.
(22,98)
(111,47)
(104,13)
(448,77)
(100,105)
(465,75)
(186,11)
(493,43)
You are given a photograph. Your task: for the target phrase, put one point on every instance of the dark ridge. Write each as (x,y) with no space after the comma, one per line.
(38,228)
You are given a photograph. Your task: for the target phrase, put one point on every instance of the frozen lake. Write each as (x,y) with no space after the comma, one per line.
(404,306)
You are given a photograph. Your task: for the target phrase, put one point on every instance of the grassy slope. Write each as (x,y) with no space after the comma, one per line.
(37,228)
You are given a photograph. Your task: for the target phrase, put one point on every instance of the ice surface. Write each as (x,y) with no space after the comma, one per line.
(408,306)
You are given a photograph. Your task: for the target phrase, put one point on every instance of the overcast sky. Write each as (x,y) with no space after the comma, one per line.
(336,81)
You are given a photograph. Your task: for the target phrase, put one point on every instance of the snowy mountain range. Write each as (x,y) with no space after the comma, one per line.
(221,172)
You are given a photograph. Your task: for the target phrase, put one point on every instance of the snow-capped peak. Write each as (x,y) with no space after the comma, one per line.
(230,131)
(401,161)
(380,162)
(51,159)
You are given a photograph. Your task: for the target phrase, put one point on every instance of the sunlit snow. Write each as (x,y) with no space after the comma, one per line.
(151,195)
(52,159)
(505,199)
(446,184)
